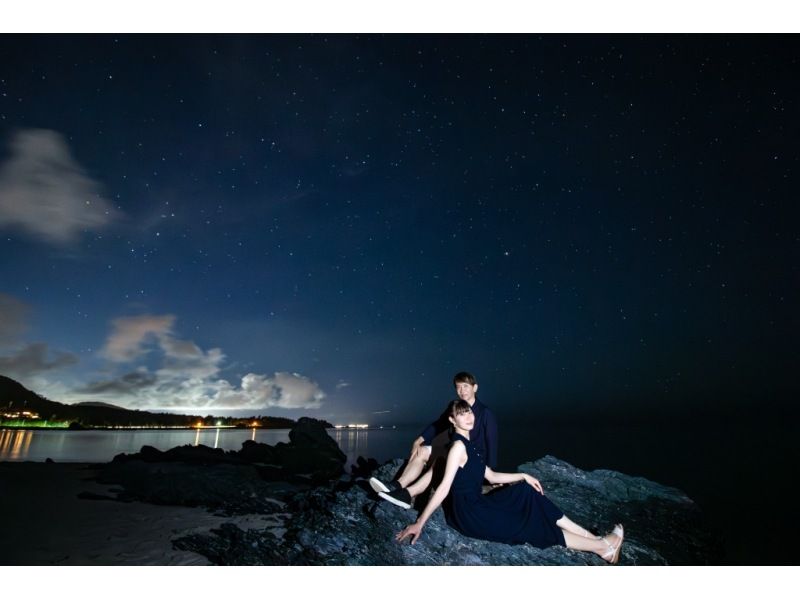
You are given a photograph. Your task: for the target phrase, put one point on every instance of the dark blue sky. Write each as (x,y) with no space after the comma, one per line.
(334,225)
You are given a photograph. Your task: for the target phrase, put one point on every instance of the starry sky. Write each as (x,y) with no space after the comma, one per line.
(334,225)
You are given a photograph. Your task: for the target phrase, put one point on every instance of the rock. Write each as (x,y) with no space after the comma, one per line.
(311,451)
(200,454)
(232,544)
(310,456)
(363,467)
(346,524)
(224,488)
(663,521)
(257,479)
(257,452)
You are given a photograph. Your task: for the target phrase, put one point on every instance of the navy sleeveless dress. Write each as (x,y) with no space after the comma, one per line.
(513,515)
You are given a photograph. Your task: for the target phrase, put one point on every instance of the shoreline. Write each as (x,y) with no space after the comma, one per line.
(135,429)
(52,525)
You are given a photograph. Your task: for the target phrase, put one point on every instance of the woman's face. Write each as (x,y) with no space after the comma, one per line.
(464,421)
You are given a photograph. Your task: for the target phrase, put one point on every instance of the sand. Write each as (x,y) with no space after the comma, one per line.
(45,523)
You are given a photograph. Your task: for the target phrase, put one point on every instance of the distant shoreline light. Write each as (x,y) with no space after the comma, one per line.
(360,427)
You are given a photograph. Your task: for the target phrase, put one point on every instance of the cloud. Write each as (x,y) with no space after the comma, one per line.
(129,384)
(188,376)
(13,319)
(28,362)
(32,360)
(147,390)
(135,336)
(46,193)
(185,359)
(285,390)
(342,384)
(127,341)
(292,391)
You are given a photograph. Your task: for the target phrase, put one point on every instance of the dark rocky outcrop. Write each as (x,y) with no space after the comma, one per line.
(328,518)
(257,479)
(310,451)
(345,524)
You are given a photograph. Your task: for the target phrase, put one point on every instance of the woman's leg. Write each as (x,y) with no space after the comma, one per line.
(568,525)
(598,546)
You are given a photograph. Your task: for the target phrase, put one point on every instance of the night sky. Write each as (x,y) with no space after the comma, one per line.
(333,225)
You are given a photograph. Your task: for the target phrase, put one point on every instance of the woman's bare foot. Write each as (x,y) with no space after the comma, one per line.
(612,543)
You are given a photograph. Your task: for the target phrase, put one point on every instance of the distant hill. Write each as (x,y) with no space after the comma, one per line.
(97,404)
(15,397)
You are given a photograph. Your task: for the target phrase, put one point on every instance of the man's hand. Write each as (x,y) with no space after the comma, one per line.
(415,448)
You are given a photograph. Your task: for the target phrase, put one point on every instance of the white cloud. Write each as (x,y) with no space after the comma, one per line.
(46,193)
(297,391)
(188,376)
(130,335)
(290,391)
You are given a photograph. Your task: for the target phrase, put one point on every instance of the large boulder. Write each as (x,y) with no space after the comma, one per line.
(348,525)
(311,452)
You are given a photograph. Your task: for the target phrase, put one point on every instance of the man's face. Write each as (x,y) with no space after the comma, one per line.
(466,391)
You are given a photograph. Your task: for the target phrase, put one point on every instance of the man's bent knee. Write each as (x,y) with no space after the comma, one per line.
(423,454)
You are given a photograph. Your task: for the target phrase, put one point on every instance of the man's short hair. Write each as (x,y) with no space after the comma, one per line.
(464,377)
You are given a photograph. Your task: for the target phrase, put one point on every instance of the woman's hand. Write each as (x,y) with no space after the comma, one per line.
(415,530)
(537,485)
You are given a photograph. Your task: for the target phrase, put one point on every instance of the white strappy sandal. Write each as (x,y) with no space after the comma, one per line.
(618,531)
(611,555)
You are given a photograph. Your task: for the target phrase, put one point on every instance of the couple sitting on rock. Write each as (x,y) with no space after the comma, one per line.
(464,442)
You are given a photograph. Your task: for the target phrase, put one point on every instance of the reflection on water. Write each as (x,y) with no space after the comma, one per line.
(100,446)
(354,443)
(15,443)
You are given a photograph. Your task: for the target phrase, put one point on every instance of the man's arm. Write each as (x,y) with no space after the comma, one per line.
(436,427)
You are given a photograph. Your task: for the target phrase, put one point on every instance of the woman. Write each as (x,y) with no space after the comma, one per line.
(513,515)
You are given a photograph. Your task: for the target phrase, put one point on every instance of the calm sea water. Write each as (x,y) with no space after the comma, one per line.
(740,474)
(100,446)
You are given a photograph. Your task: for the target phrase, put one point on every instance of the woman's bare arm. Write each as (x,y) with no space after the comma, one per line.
(495,477)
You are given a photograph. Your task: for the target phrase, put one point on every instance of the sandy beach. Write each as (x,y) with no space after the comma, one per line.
(45,523)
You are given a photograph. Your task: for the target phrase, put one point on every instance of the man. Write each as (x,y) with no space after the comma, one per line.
(433,442)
